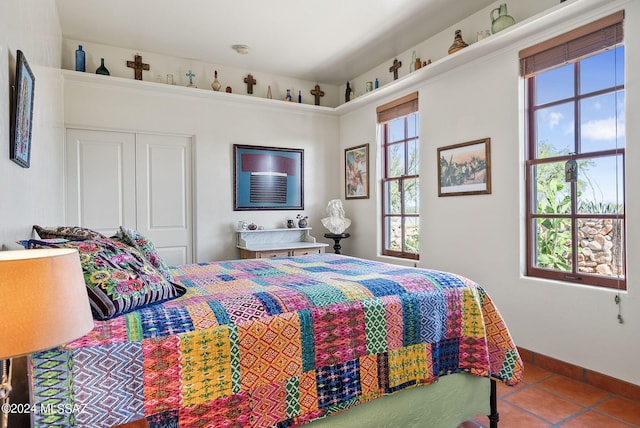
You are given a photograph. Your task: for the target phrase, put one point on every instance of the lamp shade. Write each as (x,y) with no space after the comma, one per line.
(43,300)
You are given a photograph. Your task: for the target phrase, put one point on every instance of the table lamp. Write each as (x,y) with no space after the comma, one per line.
(43,304)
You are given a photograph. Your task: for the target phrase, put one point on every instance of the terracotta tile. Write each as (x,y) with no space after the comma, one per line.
(481,421)
(526,355)
(468,424)
(560,367)
(512,417)
(533,374)
(503,389)
(543,404)
(576,391)
(621,408)
(592,419)
(618,387)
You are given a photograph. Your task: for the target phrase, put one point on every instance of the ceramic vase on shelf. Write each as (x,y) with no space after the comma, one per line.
(102,69)
(458,43)
(502,21)
(216,84)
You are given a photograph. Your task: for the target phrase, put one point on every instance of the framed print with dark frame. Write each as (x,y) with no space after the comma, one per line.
(356,172)
(22,113)
(267,178)
(465,169)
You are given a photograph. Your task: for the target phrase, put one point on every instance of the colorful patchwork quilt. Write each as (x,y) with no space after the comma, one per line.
(274,343)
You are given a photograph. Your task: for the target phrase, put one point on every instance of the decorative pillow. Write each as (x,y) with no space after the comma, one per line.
(72,233)
(118,277)
(33,243)
(140,242)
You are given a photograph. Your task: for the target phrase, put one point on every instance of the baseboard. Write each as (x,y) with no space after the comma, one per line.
(580,374)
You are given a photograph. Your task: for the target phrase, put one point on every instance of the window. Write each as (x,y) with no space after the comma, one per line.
(400,183)
(576,156)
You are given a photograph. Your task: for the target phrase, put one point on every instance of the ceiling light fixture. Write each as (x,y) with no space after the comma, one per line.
(241,49)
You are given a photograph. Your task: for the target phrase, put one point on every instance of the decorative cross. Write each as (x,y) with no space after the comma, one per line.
(250,81)
(190,75)
(394,68)
(138,66)
(317,93)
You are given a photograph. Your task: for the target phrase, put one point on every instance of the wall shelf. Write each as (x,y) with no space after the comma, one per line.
(568,14)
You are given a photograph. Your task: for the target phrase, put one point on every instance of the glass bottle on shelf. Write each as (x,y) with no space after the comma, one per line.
(102,69)
(288,96)
(80,59)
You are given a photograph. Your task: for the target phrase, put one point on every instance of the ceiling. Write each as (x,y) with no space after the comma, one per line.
(327,41)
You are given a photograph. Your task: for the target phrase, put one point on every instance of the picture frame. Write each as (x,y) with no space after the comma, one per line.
(465,169)
(267,178)
(356,172)
(22,117)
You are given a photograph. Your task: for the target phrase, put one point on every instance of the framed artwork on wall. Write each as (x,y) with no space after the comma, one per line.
(356,172)
(20,147)
(465,169)
(267,178)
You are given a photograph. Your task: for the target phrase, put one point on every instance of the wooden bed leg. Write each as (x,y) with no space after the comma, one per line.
(494,416)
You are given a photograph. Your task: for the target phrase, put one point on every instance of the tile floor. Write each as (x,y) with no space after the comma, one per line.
(548,400)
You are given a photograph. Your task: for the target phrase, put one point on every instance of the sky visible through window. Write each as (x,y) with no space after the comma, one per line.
(602,119)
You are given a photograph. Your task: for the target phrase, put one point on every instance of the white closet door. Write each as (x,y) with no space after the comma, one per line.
(163,186)
(100,179)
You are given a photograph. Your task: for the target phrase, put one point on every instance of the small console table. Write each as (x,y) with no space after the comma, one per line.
(267,243)
(336,239)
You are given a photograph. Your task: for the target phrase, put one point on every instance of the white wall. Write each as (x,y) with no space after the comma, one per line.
(116,58)
(436,47)
(216,121)
(32,195)
(482,236)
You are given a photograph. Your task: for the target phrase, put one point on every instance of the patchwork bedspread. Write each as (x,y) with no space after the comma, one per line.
(280,342)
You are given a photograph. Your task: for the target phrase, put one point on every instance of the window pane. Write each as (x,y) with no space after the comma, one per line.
(602,122)
(553,244)
(552,193)
(395,160)
(554,130)
(412,125)
(601,71)
(412,235)
(600,185)
(392,197)
(554,85)
(396,130)
(412,160)
(394,233)
(601,247)
(411,196)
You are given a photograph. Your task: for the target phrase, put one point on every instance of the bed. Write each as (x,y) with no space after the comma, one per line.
(282,343)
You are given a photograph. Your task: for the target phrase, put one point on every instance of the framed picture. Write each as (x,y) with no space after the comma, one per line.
(20,147)
(356,172)
(465,169)
(267,178)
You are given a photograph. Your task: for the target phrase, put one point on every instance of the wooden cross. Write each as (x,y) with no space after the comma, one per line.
(250,81)
(138,66)
(317,93)
(394,68)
